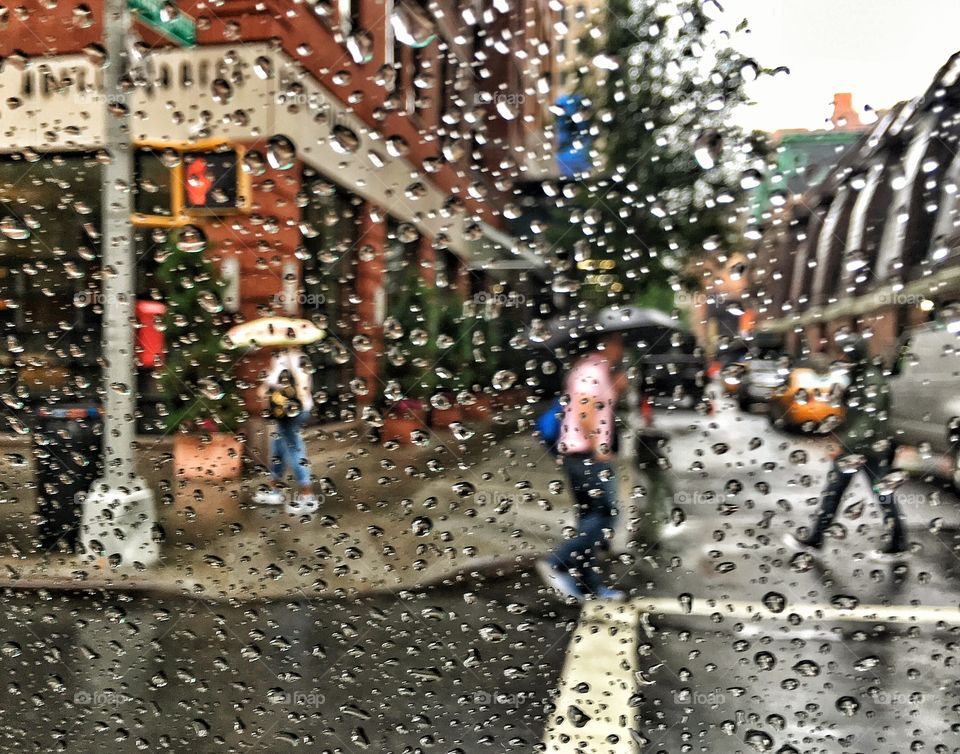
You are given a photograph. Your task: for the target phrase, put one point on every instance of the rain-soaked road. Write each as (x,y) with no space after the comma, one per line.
(728,643)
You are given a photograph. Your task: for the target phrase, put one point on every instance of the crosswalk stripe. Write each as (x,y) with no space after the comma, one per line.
(744,610)
(599,677)
(593,711)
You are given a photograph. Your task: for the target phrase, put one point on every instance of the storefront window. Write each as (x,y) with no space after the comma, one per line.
(329,237)
(51,305)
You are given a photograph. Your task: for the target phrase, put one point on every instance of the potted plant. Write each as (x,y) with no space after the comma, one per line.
(411,359)
(454,332)
(201,401)
(479,359)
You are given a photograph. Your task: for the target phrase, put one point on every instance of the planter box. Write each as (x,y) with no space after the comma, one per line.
(444,417)
(401,420)
(512,398)
(207,456)
(481,409)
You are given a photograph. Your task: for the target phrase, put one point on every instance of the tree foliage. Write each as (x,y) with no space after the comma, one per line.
(198,377)
(648,206)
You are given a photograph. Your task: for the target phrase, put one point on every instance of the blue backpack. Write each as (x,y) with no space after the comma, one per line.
(548,424)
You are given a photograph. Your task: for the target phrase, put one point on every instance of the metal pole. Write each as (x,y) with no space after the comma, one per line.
(118,255)
(119,513)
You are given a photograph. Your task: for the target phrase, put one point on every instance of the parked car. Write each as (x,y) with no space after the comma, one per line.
(751,368)
(677,373)
(925,391)
(811,396)
(759,379)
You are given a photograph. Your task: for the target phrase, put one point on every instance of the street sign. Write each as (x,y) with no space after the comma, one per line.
(163,16)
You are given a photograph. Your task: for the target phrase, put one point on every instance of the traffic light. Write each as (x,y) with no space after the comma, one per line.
(210,181)
(179,180)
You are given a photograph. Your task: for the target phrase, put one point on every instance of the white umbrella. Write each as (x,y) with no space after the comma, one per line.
(273,332)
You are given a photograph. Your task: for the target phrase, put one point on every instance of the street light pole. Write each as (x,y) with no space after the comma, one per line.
(119,513)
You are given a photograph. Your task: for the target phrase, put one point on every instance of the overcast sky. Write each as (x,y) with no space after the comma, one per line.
(883,51)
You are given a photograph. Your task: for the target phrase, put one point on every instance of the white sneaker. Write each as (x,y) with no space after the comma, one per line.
(303,504)
(560,581)
(268,497)
(798,545)
(882,556)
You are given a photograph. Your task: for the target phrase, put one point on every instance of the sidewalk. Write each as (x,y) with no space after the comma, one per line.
(390,520)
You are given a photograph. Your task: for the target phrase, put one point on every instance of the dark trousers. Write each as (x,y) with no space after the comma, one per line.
(594,488)
(837,482)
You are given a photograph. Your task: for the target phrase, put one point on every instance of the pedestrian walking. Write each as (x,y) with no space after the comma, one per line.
(289,400)
(585,447)
(863,442)
(653,469)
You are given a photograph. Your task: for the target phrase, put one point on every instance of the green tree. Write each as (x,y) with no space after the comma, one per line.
(649,206)
(411,345)
(198,377)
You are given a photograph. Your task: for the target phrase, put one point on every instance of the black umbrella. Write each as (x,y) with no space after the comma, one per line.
(559,332)
(648,328)
(651,330)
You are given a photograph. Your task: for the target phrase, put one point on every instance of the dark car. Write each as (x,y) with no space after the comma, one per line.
(760,376)
(676,373)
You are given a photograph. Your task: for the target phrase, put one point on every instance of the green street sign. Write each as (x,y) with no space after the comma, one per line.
(156,14)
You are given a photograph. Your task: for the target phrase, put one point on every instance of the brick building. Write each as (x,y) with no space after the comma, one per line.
(374,134)
(874,245)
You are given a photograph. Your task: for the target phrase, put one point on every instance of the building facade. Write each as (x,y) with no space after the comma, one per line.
(372,135)
(874,246)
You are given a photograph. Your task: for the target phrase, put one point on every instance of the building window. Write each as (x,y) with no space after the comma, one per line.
(329,225)
(400,256)
(349,12)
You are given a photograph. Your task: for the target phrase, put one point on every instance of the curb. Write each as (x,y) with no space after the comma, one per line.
(81,580)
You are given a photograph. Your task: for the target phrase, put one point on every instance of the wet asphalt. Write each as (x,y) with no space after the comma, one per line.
(475,667)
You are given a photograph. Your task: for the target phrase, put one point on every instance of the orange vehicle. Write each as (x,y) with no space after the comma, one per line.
(811,398)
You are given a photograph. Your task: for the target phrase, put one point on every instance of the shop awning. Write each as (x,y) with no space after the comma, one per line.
(496,250)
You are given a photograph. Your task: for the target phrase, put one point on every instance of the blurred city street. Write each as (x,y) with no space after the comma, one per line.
(727,642)
(466,376)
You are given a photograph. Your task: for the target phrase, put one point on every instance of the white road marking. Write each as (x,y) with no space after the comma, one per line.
(593,711)
(600,671)
(743,610)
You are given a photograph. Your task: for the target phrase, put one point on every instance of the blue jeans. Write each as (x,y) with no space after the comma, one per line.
(837,483)
(287,450)
(594,488)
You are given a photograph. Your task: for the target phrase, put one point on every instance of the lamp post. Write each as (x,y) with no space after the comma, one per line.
(118,514)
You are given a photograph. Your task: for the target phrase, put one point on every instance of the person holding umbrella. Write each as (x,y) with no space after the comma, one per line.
(288,399)
(588,436)
(585,445)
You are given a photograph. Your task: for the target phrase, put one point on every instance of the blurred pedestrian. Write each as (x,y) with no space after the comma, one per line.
(653,468)
(586,447)
(863,442)
(289,400)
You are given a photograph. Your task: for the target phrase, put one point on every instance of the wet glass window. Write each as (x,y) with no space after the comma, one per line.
(479,375)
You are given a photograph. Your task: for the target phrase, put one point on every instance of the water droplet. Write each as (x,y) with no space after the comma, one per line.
(281,153)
